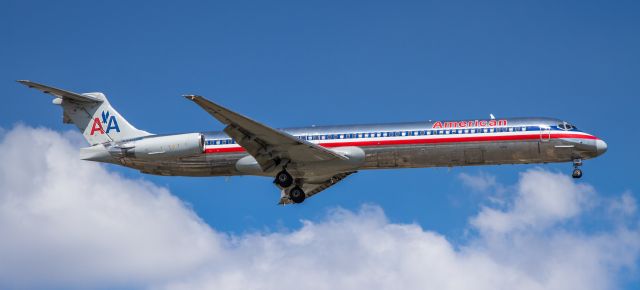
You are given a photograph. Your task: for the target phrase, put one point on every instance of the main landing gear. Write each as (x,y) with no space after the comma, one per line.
(297,195)
(285,180)
(577,172)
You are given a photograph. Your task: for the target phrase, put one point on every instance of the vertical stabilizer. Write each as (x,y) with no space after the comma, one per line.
(98,121)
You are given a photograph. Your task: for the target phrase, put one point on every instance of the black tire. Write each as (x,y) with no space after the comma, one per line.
(284,179)
(577,173)
(297,195)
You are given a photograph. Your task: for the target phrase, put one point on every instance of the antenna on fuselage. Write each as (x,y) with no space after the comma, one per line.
(492,116)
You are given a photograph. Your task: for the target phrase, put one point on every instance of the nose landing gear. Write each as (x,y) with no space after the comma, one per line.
(577,172)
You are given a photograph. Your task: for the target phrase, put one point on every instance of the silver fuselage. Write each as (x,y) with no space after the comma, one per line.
(403,145)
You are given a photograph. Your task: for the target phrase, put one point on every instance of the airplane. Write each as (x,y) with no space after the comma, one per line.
(306,161)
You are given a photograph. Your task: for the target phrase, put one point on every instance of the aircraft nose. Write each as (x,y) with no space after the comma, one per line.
(601,146)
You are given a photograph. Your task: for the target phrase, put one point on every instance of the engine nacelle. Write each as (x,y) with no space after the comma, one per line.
(165,147)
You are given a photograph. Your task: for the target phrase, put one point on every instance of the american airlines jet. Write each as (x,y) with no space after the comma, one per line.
(306,161)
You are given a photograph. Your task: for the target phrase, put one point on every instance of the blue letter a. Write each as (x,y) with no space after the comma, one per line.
(113,124)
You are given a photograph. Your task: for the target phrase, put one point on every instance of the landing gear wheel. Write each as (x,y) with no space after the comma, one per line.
(284,179)
(297,195)
(577,173)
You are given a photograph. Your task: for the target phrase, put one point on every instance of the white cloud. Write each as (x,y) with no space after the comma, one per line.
(626,204)
(543,198)
(485,183)
(479,182)
(69,223)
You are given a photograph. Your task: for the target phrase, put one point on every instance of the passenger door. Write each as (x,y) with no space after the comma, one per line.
(545,148)
(545,133)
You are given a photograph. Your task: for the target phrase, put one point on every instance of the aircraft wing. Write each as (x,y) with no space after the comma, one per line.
(269,146)
(312,189)
(60,93)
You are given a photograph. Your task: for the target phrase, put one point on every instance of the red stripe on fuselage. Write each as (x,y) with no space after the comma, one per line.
(425,141)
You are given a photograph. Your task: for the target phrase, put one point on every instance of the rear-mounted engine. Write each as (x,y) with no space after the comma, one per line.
(161,147)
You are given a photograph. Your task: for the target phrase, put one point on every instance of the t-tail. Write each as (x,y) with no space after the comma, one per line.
(98,121)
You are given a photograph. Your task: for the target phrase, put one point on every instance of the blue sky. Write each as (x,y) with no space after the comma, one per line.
(297,63)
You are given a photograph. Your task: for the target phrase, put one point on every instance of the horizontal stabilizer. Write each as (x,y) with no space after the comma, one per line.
(61,93)
(98,121)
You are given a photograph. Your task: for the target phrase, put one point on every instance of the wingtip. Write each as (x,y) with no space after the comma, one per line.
(27,83)
(191,97)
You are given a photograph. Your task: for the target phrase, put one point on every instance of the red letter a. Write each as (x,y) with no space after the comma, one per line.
(97,126)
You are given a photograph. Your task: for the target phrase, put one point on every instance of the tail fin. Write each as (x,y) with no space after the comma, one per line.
(92,114)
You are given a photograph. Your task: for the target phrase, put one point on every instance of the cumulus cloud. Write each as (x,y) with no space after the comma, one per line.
(626,204)
(61,226)
(478,182)
(543,199)
(64,221)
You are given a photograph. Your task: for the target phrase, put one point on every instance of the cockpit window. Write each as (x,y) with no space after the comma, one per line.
(566,126)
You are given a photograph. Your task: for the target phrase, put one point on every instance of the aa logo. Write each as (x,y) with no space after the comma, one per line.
(109,121)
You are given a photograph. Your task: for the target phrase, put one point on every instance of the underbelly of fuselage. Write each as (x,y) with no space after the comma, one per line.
(388,156)
(478,153)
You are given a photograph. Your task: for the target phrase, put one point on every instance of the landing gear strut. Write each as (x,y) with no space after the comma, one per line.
(577,172)
(283,179)
(297,195)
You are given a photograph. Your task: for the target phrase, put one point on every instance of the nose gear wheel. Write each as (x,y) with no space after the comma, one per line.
(577,172)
